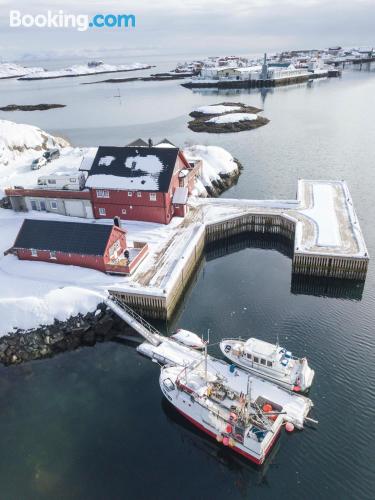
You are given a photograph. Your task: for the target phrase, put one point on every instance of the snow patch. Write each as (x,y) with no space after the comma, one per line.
(233,118)
(217,109)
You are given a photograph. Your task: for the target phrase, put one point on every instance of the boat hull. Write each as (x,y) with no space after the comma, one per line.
(238,450)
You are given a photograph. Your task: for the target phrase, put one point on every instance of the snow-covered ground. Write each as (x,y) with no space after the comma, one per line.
(85,69)
(11,70)
(34,293)
(19,141)
(233,118)
(216,109)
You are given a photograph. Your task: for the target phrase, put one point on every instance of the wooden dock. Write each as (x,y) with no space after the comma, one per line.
(321,224)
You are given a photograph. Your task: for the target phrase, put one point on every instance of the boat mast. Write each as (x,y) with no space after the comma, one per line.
(205,353)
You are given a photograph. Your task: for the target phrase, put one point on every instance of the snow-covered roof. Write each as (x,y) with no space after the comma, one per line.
(88,159)
(133,168)
(180,196)
(257,346)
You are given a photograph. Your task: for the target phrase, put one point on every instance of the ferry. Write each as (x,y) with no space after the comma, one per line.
(269,361)
(249,427)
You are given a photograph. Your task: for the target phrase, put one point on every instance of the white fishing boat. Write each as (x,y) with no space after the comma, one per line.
(230,417)
(269,361)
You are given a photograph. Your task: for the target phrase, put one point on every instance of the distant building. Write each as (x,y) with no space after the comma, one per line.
(97,246)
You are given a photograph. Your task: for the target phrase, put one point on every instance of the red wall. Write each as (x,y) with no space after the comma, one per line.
(116,234)
(91,261)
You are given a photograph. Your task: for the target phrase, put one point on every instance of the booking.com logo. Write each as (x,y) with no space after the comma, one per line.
(59,19)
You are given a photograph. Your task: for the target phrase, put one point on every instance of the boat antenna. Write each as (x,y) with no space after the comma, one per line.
(277,339)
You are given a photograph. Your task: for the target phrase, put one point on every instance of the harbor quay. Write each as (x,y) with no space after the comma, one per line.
(321,223)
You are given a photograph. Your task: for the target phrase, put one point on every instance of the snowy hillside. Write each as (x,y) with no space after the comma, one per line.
(19,140)
(11,70)
(217,164)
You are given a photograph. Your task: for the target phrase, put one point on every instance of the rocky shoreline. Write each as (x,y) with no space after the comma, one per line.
(225,182)
(48,340)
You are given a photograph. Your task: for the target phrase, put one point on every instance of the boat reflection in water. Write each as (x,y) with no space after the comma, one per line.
(246,473)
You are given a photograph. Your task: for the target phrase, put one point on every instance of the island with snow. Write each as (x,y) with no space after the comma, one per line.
(12,70)
(142,201)
(226,117)
(91,68)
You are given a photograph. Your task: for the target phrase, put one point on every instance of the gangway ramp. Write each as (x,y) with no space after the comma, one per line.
(141,326)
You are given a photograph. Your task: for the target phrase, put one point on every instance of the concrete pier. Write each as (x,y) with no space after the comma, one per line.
(321,224)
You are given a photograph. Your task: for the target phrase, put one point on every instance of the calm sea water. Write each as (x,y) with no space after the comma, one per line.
(92,424)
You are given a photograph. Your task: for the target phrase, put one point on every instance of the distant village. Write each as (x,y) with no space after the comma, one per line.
(279,69)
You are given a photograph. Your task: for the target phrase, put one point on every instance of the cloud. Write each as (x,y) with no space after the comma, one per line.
(196,27)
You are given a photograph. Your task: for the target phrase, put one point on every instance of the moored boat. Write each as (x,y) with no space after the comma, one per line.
(269,361)
(248,427)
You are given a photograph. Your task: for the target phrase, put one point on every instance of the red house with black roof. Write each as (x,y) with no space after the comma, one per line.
(137,183)
(97,246)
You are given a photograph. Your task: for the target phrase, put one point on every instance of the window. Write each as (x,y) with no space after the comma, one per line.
(256,360)
(34,205)
(34,253)
(52,254)
(73,180)
(249,356)
(152,196)
(123,211)
(51,181)
(54,205)
(102,211)
(102,193)
(269,363)
(139,194)
(130,193)
(43,205)
(262,361)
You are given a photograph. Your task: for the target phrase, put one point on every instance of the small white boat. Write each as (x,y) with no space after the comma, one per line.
(188,338)
(232,418)
(269,361)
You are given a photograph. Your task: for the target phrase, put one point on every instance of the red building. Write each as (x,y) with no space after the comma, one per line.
(98,246)
(138,182)
(135,182)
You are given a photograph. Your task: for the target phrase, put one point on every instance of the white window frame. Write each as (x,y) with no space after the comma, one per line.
(130,194)
(139,194)
(52,203)
(123,211)
(102,211)
(102,193)
(34,252)
(52,255)
(152,196)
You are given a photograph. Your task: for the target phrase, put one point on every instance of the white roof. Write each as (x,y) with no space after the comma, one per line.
(260,347)
(180,195)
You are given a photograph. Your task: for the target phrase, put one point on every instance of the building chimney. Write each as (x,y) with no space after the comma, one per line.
(150,143)
(117,221)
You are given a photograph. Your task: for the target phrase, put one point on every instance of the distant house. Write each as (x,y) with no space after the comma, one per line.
(134,182)
(137,182)
(97,246)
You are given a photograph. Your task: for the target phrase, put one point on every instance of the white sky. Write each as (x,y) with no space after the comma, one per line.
(192,27)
